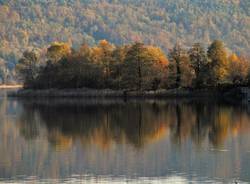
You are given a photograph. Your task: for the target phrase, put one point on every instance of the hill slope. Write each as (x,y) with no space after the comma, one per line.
(36,23)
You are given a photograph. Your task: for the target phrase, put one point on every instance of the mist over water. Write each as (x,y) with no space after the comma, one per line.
(116,141)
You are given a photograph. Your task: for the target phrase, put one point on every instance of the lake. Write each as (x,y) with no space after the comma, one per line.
(117,141)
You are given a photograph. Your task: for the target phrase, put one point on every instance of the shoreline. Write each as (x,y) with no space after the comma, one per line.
(105,93)
(17,86)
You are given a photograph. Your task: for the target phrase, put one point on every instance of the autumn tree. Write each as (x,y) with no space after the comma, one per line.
(199,63)
(85,71)
(238,69)
(102,56)
(187,72)
(218,65)
(180,72)
(50,73)
(118,57)
(159,66)
(58,50)
(132,68)
(174,67)
(141,66)
(78,63)
(28,67)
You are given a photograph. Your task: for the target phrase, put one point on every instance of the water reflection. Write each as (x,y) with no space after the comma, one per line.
(198,140)
(136,122)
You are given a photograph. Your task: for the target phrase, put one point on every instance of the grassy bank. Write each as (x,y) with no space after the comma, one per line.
(113,93)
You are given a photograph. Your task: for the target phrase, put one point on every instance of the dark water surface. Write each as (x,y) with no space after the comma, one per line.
(112,141)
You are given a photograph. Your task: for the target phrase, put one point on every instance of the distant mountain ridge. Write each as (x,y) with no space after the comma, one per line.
(36,23)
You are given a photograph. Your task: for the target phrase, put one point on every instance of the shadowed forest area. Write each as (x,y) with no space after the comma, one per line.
(136,66)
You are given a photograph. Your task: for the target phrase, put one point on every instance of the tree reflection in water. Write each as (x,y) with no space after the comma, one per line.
(50,138)
(135,122)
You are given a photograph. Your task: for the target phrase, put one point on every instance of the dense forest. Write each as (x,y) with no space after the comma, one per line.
(35,23)
(135,66)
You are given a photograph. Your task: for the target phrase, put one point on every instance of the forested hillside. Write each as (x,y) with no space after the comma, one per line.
(36,23)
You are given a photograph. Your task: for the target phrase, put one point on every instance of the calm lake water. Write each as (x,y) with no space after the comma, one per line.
(113,141)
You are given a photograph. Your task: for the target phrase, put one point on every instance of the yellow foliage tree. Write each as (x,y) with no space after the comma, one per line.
(58,50)
(238,69)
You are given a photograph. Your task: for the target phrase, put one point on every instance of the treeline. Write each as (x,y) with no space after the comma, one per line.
(132,67)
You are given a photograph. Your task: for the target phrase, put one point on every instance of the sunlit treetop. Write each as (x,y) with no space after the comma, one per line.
(57,50)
